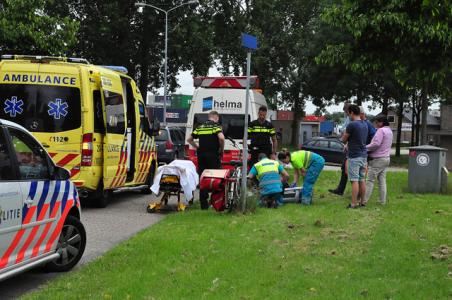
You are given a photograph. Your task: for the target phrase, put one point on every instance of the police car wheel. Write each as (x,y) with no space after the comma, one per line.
(71,245)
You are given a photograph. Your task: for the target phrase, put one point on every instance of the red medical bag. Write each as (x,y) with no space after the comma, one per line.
(214,181)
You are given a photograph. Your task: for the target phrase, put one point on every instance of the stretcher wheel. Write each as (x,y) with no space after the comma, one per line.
(153,207)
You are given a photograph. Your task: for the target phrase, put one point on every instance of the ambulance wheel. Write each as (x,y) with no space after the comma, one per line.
(71,246)
(149,181)
(102,196)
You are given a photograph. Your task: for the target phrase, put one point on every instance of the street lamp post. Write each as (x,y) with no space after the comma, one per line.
(140,6)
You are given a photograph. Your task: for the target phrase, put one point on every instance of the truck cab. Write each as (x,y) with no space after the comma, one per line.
(227,96)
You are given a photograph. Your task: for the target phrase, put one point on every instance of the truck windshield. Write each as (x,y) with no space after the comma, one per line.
(41,108)
(232,124)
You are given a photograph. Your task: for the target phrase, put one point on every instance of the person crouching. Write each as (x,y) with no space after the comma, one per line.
(307,164)
(270,175)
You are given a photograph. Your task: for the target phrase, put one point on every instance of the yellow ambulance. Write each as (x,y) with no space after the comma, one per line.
(91,119)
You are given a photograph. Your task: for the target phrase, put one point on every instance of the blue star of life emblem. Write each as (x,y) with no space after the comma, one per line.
(58,109)
(13,107)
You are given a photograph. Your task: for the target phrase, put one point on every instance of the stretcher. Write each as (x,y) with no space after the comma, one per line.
(169,186)
(178,179)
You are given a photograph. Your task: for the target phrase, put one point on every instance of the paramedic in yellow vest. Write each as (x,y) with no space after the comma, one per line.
(307,164)
(262,135)
(270,175)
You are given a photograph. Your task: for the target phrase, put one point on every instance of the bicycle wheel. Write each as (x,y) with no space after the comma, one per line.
(236,188)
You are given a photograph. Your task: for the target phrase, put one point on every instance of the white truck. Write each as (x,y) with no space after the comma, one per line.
(227,96)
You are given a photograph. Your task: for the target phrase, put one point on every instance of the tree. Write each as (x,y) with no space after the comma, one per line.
(27,27)
(413,39)
(113,32)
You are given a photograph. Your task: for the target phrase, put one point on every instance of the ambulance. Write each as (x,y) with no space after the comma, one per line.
(227,96)
(91,119)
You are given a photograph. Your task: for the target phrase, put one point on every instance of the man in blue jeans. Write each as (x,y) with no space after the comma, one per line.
(307,164)
(355,137)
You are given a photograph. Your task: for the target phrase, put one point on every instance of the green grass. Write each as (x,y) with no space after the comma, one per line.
(319,252)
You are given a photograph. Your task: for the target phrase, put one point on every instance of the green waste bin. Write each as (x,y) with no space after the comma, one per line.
(425,169)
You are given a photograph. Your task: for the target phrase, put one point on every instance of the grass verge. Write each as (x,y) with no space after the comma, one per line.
(319,252)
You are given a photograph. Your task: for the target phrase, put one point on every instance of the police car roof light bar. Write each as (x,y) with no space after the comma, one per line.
(120,69)
(232,82)
(41,58)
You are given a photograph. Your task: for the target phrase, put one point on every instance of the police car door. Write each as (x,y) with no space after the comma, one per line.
(42,197)
(10,206)
(115,140)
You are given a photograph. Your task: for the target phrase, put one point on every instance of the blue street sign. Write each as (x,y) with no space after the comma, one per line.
(249,41)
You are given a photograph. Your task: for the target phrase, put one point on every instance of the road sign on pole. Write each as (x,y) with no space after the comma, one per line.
(249,42)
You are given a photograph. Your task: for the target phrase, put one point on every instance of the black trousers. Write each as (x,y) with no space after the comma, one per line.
(256,150)
(344,178)
(207,160)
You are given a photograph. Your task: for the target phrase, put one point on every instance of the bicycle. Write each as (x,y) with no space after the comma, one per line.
(233,186)
(234,181)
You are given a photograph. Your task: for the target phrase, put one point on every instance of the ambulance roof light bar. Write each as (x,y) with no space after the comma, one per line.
(41,58)
(119,69)
(231,82)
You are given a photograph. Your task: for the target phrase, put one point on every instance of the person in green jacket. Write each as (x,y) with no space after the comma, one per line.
(307,164)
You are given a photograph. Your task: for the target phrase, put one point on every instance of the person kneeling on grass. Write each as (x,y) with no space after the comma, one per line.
(307,164)
(270,175)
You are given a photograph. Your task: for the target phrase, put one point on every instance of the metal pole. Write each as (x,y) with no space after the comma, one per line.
(165,87)
(245,133)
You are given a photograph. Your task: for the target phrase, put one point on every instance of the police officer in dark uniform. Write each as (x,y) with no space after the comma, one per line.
(209,150)
(262,135)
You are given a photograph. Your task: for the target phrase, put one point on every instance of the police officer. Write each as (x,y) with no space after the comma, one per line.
(271,176)
(307,164)
(209,150)
(262,135)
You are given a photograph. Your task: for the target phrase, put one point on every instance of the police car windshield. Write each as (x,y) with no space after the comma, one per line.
(41,108)
(232,124)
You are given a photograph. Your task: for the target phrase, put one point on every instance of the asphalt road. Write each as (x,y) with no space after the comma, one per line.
(105,228)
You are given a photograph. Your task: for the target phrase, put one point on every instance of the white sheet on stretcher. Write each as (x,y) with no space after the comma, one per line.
(186,171)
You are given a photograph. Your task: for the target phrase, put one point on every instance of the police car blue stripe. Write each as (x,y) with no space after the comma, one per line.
(31,194)
(65,195)
(56,192)
(33,189)
(43,198)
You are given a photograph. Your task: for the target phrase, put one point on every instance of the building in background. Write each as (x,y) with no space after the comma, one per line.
(177,101)
(433,124)
(443,137)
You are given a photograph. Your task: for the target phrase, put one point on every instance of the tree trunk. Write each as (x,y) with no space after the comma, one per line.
(418,127)
(413,117)
(298,115)
(359,98)
(424,111)
(399,127)
(385,106)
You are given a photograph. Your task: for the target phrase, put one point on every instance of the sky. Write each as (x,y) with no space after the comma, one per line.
(185,80)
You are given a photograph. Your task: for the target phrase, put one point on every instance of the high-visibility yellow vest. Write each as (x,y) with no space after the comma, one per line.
(266,166)
(300,159)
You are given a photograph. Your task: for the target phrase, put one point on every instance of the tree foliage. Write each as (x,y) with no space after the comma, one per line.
(410,40)
(29,27)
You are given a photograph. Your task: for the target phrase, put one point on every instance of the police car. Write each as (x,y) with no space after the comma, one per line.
(39,207)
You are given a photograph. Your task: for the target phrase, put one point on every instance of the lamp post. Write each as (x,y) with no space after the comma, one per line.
(140,6)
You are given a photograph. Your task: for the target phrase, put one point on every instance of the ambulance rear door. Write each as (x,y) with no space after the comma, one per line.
(115,140)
